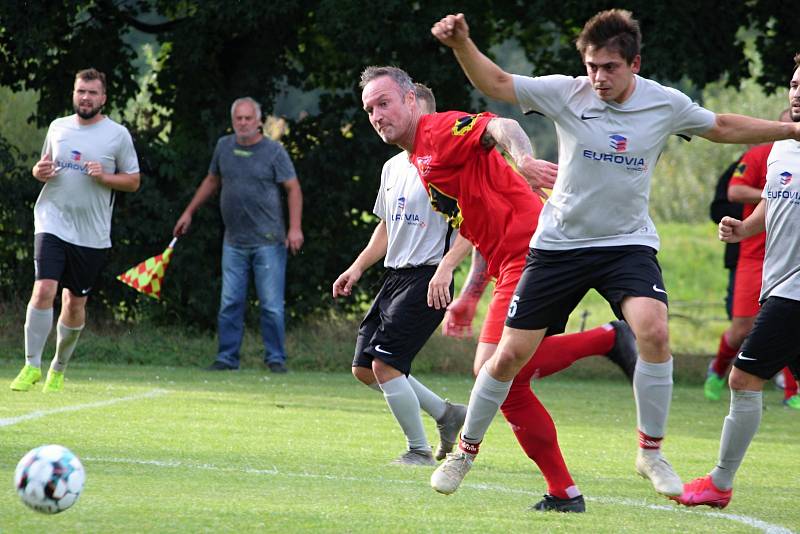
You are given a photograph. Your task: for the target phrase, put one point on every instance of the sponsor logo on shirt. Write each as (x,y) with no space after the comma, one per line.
(786,178)
(784,194)
(242,153)
(401,203)
(72,163)
(464,124)
(739,172)
(631,163)
(618,142)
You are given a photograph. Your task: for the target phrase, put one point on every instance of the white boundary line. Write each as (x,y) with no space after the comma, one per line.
(758,524)
(74,408)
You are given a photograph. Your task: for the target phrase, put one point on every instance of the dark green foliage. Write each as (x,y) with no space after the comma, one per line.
(213,51)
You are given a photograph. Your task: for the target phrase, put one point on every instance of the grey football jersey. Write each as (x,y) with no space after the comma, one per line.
(417,234)
(781,276)
(606,155)
(72,205)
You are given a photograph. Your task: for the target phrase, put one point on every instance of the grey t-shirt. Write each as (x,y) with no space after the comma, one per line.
(250,199)
(606,155)
(417,234)
(72,205)
(781,276)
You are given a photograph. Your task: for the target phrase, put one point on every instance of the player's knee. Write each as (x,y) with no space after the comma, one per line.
(653,339)
(508,359)
(743,381)
(363,375)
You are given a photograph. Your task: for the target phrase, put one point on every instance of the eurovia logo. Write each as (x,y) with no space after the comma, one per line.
(618,142)
(401,204)
(786,178)
(75,155)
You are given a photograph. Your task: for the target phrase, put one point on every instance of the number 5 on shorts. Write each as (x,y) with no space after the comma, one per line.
(512,308)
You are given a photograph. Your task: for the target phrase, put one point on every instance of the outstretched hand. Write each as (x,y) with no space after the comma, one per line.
(452,30)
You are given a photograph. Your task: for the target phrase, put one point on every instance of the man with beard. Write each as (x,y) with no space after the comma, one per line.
(86,158)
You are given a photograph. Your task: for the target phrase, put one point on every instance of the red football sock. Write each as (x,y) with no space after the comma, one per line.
(725,355)
(790,387)
(536,434)
(556,353)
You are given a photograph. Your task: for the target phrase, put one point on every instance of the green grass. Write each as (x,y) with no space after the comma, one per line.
(254,452)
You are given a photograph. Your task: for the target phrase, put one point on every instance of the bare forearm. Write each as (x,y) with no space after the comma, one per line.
(756,222)
(740,129)
(477,279)
(375,250)
(128,183)
(207,188)
(484,74)
(744,194)
(509,137)
(294,201)
(456,254)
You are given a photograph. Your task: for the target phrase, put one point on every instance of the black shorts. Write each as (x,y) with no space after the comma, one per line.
(771,345)
(74,266)
(400,321)
(553,282)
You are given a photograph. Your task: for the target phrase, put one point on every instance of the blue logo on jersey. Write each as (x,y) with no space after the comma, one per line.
(401,203)
(786,178)
(631,163)
(618,142)
(72,163)
(75,155)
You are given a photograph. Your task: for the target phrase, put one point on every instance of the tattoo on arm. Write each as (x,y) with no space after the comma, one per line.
(509,136)
(477,279)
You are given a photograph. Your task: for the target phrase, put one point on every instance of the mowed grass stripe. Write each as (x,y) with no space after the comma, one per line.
(335,438)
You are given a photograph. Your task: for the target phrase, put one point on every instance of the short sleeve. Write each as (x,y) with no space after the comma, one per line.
(380,200)
(544,94)
(688,118)
(284,168)
(127,161)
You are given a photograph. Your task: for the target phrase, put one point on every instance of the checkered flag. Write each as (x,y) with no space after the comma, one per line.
(147,276)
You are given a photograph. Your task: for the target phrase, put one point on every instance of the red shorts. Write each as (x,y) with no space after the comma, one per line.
(747,287)
(504,288)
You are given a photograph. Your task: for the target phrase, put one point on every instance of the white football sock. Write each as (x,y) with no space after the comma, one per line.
(38,324)
(652,389)
(738,431)
(485,399)
(66,340)
(430,402)
(404,405)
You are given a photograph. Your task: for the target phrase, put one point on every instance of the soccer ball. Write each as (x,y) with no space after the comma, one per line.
(49,479)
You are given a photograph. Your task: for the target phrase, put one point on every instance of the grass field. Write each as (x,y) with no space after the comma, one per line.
(182,450)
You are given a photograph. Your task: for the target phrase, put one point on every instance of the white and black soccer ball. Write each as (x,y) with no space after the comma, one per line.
(49,479)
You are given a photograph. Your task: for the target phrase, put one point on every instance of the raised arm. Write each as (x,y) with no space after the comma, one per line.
(482,72)
(509,136)
(741,129)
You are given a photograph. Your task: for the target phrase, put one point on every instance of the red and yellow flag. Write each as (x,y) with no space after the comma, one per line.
(147,276)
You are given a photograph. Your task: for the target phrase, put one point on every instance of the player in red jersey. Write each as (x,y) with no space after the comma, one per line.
(474,187)
(745,187)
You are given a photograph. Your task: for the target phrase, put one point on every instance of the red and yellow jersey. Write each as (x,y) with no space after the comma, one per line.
(752,171)
(473,187)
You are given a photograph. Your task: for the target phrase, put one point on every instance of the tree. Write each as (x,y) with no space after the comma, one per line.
(213,51)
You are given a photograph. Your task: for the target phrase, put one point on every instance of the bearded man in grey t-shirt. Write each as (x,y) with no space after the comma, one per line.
(595,231)
(85,160)
(248,169)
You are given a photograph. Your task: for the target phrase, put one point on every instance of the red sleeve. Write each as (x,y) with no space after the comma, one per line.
(455,135)
(752,169)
